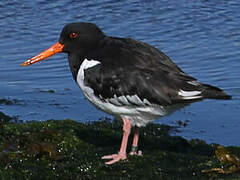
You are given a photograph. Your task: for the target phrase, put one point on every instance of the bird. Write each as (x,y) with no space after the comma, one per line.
(126,78)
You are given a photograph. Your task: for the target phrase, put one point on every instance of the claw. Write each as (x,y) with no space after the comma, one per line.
(138,153)
(114,157)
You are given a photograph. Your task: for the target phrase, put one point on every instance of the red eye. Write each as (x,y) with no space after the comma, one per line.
(73,35)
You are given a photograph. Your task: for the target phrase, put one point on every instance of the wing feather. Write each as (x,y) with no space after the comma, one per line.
(132,72)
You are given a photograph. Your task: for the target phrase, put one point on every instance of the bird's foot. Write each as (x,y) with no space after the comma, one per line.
(114,157)
(135,151)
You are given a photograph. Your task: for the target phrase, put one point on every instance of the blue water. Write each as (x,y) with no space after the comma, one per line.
(202,37)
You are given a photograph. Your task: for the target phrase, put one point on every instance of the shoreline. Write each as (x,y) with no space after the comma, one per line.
(68,149)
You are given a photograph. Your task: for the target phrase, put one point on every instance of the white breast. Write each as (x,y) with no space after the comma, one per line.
(87,91)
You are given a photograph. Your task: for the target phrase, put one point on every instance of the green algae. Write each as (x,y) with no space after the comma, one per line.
(6,102)
(9,101)
(4,118)
(66,149)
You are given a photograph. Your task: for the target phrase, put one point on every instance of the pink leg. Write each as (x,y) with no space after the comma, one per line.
(122,153)
(135,143)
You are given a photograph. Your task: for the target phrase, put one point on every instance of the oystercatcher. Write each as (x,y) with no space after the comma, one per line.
(126,78)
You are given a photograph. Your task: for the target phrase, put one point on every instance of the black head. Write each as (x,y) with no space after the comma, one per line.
(76,39)
(79,37)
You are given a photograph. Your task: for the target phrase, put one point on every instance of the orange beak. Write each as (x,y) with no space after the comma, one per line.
(56,48)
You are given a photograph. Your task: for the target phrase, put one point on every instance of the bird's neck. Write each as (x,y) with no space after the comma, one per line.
(93,52)
(76,58)
(75,62)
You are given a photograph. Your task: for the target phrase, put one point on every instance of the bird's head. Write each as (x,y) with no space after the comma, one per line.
(75,38)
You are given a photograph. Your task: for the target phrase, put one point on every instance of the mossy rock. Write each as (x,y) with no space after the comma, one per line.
(66,149)
(4,118)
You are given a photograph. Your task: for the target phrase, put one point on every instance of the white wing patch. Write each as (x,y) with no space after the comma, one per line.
(123,100)
(128,100)
(189,94)
(195,83)
(134,100)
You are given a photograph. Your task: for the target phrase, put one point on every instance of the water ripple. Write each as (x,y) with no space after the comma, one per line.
(202,37)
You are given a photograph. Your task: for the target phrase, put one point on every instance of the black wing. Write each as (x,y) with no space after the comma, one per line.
(141,74)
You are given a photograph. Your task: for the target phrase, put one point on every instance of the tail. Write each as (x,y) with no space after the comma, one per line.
(212,92)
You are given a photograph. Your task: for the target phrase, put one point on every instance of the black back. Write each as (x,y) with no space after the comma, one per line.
(129,67)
